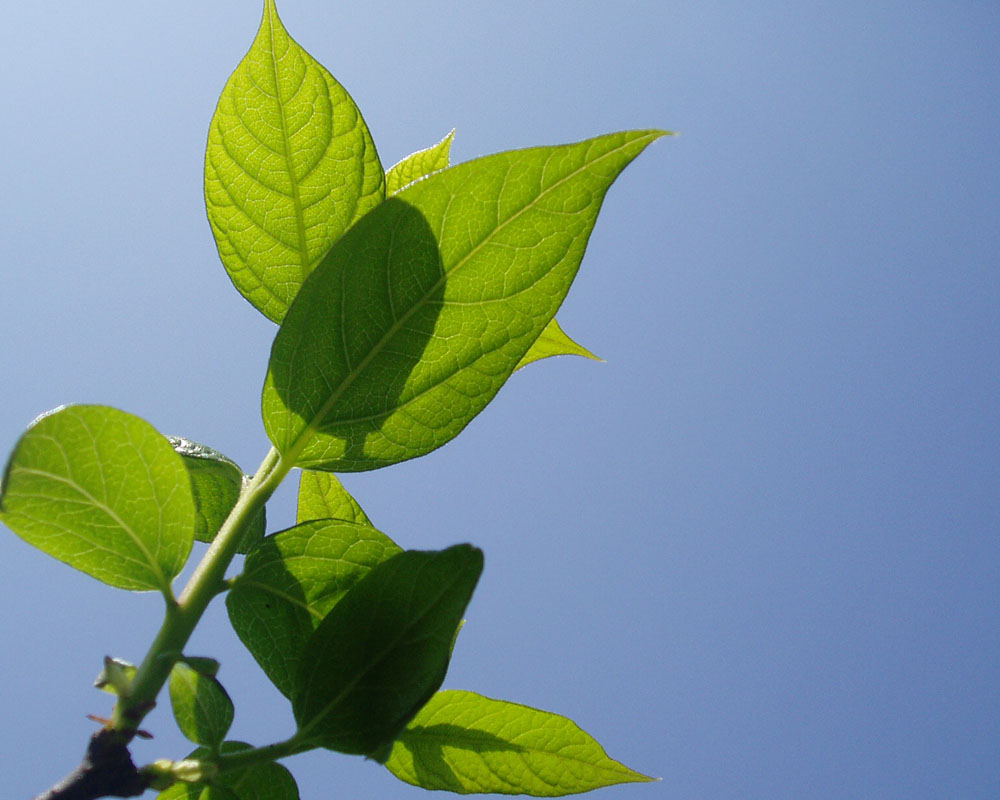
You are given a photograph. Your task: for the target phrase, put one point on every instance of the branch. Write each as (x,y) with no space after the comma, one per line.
(106,771)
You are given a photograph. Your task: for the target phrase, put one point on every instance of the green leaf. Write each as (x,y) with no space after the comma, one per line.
(104,492)
(422,311)
(469,744)
(216,482)
(553,341)
(291,581)
(383,651)
(268,781)
(322,496)
(290,165)
(201,706)
(116,677)
(418,165)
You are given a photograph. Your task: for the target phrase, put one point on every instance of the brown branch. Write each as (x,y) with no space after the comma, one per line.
(106,771)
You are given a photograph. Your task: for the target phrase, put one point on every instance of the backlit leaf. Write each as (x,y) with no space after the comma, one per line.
(469,744)
(418,165)
(383,651)
(216,482)
(421,312)
(291,581)
(290,165)
(323,496)
(104,492)
(201,706)
(553,341)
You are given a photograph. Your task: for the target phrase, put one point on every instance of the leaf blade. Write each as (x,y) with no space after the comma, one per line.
(104,492)
(289,166)
(201,706)
(465,743)
(421,312)
(380,654)
(418,165)
(323,496)
(553,341)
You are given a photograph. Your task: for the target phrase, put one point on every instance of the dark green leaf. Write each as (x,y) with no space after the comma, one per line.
(104,492)
(291,581)
(418,165)
(420,313)
(383,651)
(269,781)
(553,341)
(323,496)
(469,744)
(216,482)
(289,167)
(201,706)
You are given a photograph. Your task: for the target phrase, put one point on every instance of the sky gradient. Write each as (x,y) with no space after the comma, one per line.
(755,553)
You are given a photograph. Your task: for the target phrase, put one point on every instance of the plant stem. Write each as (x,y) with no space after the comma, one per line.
(183,614)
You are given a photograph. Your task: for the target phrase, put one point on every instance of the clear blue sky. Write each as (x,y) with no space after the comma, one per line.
(756,552)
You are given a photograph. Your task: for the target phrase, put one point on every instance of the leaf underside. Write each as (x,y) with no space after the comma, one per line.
(421,312)
(323,496)
(201,706)
(418,165)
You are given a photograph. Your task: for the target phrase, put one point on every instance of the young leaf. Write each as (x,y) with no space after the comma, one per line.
(290,165)
(322,496)
(383,651)
(104,492)
(419,314)
(268,781)
(553,341)
(418,165)
(291,581)
(201,706)
(216,482)
(469,744)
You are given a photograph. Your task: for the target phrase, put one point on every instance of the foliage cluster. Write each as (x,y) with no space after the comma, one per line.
(405,298)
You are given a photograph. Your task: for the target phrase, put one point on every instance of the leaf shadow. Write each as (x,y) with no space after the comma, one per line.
(356,333)
(429,764)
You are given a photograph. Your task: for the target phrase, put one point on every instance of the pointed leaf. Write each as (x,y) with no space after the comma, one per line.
(116,677)
(418,165)
(323,496)
(553,341)
(469,744)
(268,781)
(216,482)
(383,651)
(291,581)
(290,165)
(201,706)
(419,314)
(104,492)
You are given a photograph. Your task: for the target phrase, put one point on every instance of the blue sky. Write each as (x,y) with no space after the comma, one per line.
(754,553)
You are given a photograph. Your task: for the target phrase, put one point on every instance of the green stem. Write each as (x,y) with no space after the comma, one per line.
(183,614)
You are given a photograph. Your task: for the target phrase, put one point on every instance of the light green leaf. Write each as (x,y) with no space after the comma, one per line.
(469,744)
(291,581)
(418,165)
(323,496)
(553,341)
(104,492)
(383,651)
(268,781)
(116,677)
(201,706)
(422,311)
(216,482)
(290,165)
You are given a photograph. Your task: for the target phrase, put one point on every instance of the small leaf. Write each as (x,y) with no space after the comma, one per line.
(290,165)
(323,496)
(469,744)
(201,706)
(383,651)
(553,341)
(116,677)
(104,492)
(291,581)
(268,781)
(421,312)
(216,482)
(418,165)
